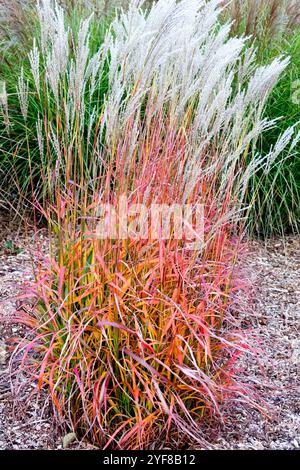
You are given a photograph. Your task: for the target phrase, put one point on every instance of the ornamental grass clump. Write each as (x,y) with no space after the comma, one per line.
(265,22)
(51,72)
(133,333)
(274,195)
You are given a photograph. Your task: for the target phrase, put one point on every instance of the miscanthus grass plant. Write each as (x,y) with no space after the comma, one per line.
(266,22)
(40,71)
(275,195)
(274,29)
(135,338)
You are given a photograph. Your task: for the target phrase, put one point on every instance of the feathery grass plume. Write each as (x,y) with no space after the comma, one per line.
(22,90)
(135,338)
(34,59)
(4,104)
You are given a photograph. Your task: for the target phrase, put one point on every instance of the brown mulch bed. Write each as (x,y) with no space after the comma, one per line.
(21,426)
(273,270)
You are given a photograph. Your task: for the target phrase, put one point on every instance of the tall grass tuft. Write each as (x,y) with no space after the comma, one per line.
(40,69)
(274,195)
(266,22)
(135,338)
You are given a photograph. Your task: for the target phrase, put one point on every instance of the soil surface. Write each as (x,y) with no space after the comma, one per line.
(20,427)
(273,270)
